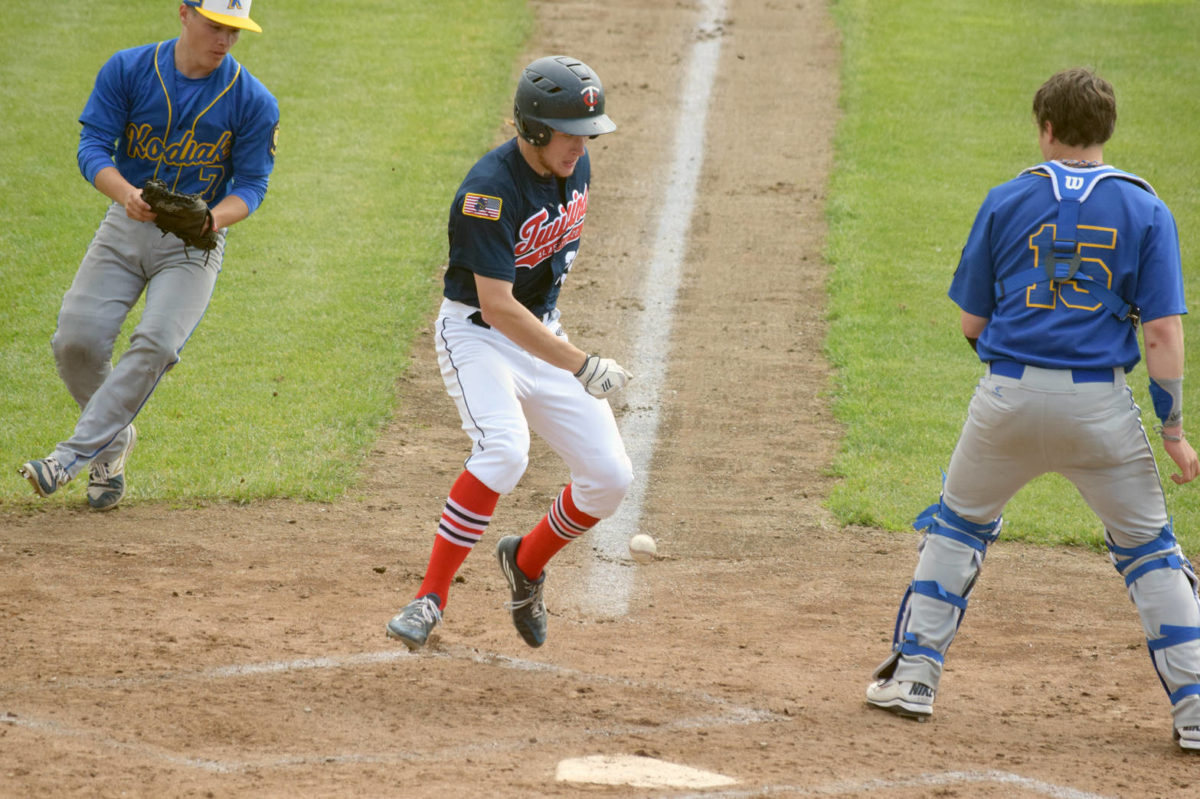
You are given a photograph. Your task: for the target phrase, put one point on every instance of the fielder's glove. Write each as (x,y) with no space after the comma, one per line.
(185,215)
(602,376)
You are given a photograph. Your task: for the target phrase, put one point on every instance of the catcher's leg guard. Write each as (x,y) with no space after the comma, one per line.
(951,556)
(1162,585)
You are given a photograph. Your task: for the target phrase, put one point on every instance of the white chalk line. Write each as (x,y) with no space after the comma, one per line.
(609,585)
(217,672)
(727,714)
(372,658)
(941,779)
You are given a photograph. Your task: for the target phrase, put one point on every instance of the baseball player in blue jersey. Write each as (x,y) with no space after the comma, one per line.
(185,112)
(514,232)
(1061,264)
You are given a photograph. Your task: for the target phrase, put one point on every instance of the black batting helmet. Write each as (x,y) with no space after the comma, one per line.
(559,93)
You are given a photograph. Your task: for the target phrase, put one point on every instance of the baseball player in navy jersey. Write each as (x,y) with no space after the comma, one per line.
(514,232)
(185,112)
(1061,264)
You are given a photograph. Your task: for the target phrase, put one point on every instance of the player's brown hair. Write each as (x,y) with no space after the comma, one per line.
(1080,106)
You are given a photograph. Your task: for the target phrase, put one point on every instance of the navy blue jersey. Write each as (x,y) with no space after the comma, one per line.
(1128,241)
(510,223)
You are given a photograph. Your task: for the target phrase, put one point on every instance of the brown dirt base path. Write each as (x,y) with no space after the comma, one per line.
(239,651)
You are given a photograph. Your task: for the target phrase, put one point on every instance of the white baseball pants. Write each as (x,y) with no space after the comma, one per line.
(502,392)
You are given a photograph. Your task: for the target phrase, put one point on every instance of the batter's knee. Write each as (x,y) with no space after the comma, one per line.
(599,492)
(500,459)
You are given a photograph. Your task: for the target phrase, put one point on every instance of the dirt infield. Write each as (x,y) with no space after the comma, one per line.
(239,651)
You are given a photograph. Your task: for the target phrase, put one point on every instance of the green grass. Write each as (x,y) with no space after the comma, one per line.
(936,110)
(290,377)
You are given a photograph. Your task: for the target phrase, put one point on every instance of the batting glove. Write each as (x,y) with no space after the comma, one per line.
(602,376)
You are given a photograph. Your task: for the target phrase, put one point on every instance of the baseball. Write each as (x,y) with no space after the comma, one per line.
(642,548)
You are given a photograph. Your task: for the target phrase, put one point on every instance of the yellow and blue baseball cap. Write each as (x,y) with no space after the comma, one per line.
(234,13)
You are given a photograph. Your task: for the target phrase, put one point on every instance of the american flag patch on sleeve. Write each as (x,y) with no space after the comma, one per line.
(483,206)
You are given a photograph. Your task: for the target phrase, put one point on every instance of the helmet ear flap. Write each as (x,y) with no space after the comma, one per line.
(532,131)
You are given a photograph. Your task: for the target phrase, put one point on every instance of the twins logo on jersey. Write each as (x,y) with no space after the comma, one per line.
(541,237)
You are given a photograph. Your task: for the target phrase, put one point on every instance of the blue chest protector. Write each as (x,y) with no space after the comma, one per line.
(1071,189)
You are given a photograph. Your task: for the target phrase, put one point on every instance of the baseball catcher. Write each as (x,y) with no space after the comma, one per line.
(1062,263)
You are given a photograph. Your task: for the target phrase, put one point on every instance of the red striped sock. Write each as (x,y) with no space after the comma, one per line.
(559,527)
(464,519)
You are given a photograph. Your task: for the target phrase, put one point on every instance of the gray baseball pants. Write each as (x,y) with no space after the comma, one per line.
(1091,433)
(125,259)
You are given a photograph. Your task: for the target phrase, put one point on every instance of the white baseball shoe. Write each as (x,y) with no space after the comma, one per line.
(106,481)
(912,700)
(1188,737)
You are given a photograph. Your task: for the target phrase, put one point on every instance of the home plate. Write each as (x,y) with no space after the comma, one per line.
(640,772)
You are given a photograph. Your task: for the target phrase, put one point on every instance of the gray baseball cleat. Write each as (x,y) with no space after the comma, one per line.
(528,609)
(1188,737)
(416,621)
(106,481)
(912,700)
(46,475)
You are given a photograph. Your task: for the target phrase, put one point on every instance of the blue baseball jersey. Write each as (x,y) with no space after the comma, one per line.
(510,223)
(210,136)
(1127,240)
